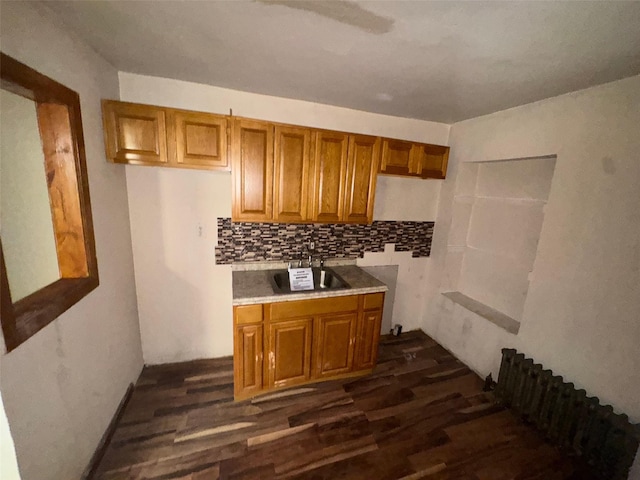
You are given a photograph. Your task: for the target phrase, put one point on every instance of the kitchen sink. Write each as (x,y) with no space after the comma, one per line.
(332,281)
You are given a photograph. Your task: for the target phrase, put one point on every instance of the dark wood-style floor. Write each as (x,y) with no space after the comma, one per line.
(421,414)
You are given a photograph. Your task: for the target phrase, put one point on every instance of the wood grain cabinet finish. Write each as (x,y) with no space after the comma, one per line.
(292,159)
(248,360)
(432,161)
(252,170)
(135,134)
(413,159)
(149,135)
(248,352)
(329,176)
(200,139)
(334,337)
(289,350)
(368,337)
(304,341)
(398,157)
(362,166)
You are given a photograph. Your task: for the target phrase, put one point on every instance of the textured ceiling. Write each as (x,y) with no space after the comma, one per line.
(441,61)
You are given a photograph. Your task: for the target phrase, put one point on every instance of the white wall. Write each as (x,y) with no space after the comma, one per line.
(61,387)
(581,316)
(184,299)
(8,462)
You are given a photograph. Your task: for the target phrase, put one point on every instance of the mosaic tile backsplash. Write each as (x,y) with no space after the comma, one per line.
(257,242)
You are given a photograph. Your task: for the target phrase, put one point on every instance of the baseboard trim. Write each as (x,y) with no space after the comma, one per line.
(90,471)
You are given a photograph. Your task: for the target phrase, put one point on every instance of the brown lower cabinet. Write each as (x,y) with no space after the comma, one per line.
(278,345)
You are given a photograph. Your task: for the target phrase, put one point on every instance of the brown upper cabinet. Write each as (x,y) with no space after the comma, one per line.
(362,166)
(149,135)
(432,160)
(412,159)
(252,170)
(308,176)
(280,173)
(292,161)
(344,177)
(329,176)
(135,134)
(200,139)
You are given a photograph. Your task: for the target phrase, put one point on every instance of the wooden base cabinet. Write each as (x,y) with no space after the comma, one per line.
(279,345)
(248,352)
(334,344)
(289,349)
(248,358)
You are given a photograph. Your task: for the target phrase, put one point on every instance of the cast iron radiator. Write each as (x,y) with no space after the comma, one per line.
(567,416)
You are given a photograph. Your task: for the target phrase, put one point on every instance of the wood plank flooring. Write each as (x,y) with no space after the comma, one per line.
(420,415)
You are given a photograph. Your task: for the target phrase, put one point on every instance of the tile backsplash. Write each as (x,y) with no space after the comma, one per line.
(255,242)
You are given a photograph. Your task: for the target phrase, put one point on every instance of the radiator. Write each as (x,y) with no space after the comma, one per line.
(567,416)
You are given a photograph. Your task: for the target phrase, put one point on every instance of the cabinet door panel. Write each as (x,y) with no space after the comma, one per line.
(362,167)
(330,169)
(432,161)
(135,133)
(334,344)
(292,166)
(398,157)
(252,170)
(367,339)
(200,139)
(248,358)
(289,352)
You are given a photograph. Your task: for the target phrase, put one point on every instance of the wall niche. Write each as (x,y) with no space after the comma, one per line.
(497,218)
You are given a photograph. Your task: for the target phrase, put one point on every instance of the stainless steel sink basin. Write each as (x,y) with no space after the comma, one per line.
(332,281)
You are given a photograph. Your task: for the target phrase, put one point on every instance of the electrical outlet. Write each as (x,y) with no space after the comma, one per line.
(312,245)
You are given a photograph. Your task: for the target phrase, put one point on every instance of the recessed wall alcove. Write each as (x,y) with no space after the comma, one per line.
(498,213)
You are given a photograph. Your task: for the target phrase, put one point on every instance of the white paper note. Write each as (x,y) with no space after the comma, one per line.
(300,279)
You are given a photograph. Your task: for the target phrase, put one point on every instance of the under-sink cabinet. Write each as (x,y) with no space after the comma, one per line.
(282,344)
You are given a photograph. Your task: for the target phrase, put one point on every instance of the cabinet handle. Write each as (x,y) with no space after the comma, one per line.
(272,361)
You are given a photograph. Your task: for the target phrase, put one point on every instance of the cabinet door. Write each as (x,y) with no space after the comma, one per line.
(432,161)
(199,139)
(289,360)
(329,176)
(367,339)
(252,170)
(398,158)
(292,173)
(362,167)
(134,133)
(247,360)
(334,339)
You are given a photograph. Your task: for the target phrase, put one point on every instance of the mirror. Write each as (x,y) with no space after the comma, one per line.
(26,224)
(47,248)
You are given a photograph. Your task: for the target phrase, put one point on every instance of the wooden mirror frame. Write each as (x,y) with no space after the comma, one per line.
(60,125)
